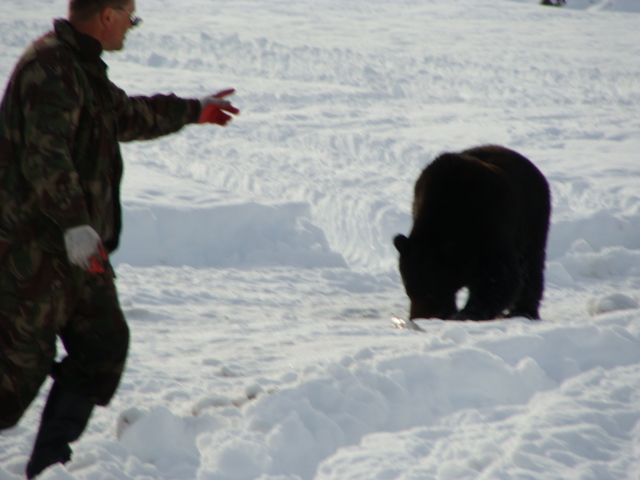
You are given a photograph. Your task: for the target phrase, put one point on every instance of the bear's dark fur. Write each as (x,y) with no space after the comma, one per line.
(480,220)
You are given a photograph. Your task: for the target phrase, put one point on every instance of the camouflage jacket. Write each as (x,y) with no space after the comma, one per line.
(61,121)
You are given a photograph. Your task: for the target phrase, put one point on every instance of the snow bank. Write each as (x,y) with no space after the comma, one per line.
(501,400)
(557,432)
(241,236)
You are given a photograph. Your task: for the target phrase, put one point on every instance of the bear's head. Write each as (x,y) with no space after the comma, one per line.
(430,277)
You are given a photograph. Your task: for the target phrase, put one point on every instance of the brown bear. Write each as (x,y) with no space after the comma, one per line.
(480,221)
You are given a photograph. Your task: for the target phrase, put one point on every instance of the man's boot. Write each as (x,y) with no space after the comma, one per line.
(64,418)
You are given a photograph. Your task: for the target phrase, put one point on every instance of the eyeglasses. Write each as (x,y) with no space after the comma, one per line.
(135,21)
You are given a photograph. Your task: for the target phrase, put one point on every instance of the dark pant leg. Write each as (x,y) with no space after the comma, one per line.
(24,367)
(96,338)
(36,296)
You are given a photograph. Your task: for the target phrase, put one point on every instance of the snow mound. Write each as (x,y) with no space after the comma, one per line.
(240,236)
(557,431)
(611,303)
(526,393)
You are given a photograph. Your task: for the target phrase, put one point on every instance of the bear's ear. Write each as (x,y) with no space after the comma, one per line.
(401,243)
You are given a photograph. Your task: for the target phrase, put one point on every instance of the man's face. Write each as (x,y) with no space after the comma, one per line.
(119,26)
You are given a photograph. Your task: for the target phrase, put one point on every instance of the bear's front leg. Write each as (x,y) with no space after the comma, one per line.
(492,293)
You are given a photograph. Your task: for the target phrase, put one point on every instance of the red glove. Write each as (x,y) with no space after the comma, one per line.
(214,106)
(97,264)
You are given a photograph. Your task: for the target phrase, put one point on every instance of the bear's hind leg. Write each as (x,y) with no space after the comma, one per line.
(528,302)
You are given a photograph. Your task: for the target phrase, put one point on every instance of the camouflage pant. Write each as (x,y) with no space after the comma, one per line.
(43,297)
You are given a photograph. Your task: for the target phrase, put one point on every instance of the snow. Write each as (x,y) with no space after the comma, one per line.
(257,271)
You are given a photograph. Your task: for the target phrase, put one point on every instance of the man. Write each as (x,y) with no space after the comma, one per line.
(60,217)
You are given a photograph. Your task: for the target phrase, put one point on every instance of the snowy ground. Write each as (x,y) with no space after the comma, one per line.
(257,270)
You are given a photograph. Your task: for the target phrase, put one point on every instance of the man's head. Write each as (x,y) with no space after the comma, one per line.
(106,20)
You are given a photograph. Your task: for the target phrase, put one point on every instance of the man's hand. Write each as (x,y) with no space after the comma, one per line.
(214,106)
(84,248)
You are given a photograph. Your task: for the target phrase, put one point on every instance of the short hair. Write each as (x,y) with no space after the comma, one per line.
(84,10)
